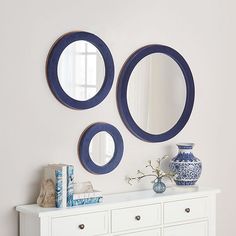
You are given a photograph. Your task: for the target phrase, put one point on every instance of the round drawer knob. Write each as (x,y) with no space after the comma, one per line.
(81,226)
(137,217)
(187,210)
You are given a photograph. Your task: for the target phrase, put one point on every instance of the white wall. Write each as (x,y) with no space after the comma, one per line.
(36,129)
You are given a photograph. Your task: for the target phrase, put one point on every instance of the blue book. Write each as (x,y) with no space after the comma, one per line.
(70,187)
(85,201)
(57,173)
(59,188)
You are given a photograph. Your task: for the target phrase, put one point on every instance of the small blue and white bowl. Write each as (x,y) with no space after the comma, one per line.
(186,167)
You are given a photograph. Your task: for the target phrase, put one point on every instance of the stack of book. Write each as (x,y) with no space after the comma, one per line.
(63,177)
(87,198)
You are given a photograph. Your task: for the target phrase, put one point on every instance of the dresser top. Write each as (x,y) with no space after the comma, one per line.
(124,200)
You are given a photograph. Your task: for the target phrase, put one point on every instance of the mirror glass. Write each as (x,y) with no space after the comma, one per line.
(101,148)
(156,93)
(81,70)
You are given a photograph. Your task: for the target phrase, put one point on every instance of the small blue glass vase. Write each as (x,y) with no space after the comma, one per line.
(185,165)
(159,186)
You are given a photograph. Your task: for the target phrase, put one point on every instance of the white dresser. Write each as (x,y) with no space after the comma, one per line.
(180,211)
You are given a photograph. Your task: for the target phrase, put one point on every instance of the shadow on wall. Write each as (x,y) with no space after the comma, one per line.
(169,150)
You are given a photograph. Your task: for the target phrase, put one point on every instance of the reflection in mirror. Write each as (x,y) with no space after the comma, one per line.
(81,70)
(156,93)
(101,148)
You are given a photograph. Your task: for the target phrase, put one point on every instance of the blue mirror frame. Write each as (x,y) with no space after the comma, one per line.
(52,64)
(122,92)
(85,140)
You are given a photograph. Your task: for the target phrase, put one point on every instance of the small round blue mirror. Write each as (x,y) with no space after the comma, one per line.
(101,148)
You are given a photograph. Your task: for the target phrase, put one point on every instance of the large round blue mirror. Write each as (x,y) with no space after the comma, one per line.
(155,93)
(80,70)
(101,148)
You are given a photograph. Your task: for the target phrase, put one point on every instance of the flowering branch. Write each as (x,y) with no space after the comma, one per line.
(156,172)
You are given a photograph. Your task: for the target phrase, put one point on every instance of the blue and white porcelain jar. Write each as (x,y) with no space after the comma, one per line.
(185,165)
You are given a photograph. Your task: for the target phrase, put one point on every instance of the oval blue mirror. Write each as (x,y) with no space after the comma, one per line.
(155,93)
(101,148)
(80,70)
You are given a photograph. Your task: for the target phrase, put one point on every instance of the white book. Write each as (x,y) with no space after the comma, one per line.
(50,173)
(84,195)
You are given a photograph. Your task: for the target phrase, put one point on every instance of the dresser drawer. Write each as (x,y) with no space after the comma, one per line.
(136,217)
(156,232)
(194,229)
(84,225)
(185,210)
